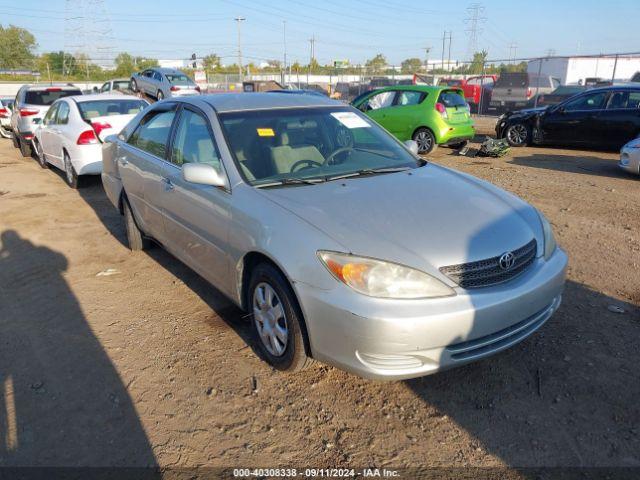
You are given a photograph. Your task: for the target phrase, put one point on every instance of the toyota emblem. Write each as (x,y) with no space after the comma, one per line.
(507,260)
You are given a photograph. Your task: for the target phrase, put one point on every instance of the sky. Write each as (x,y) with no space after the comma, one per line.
(352,30)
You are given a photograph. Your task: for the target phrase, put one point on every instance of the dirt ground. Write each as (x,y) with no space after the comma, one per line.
(109,357)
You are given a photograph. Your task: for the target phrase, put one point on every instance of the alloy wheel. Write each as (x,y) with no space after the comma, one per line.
(68,170)
(424,141)
(517,134)
(270,319)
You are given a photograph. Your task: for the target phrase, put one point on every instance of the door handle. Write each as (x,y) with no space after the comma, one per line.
(168,183)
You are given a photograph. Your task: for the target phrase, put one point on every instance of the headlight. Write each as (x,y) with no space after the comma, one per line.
(549,240)
(377,278)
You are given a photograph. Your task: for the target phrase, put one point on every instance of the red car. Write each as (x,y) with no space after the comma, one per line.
(475,88)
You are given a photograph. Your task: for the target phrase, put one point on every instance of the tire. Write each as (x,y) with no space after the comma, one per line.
(40,155)
(25,148)
(273,305)
(5,133)
(518,135)
(160,95)
(458,146)
(14,139)
(425,139)
(135,237)
(134,86)
(70,175)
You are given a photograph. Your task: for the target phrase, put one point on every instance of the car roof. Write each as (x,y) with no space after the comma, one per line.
(44,86)
(418,88)
(103,96)
(167,70)
(233,102)
(629,87)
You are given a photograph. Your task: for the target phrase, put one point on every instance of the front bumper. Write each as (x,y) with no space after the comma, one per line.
(630,160)
(399,339)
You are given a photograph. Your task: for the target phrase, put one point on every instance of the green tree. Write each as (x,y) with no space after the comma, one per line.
(17,49)
(411,65)
(126,64)
(477,63)
(211,61)
(377,64)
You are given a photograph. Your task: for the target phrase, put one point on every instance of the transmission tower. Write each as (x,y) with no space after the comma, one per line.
(475,20)
(88,32)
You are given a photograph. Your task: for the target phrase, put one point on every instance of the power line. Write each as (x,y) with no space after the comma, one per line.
(475,20)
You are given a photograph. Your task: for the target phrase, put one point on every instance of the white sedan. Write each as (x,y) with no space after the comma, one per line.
(71,134)
(630,157)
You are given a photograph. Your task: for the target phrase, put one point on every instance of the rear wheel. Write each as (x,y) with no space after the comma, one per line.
(5,132)
(134,86)
(518,135)
(25,148)
(14,139)
(277,320)
(135,237)
(425,139)
(70,174)
(159,95)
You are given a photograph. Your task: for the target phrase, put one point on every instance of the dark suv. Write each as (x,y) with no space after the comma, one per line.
(606,117)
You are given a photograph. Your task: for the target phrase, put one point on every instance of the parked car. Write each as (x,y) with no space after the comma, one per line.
(6,106)
(431,116)
(635,78)
(117,85)
(73,129)
(605,117)
(31,104)
(341,244)
(164,83)
(475,89)
(630,157)
(558,95)
(514,90)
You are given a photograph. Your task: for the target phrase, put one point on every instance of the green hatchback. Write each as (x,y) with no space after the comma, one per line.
(429,115)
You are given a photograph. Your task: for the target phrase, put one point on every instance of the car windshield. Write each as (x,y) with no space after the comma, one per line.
(289,145)
(48,96)
(105,108)
(179,79)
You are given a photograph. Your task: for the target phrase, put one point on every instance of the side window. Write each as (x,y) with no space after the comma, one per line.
(193,142)
(152,134)
(51,114)
(592,101)
(634,100)
(380,100)
(157,76)
(624,100)
(105,87)
(409,98)
(63,113)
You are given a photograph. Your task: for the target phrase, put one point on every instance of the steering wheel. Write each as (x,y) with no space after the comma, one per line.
(335,153)
(305,164)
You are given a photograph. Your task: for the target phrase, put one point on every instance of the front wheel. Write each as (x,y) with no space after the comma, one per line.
(15,140)
(134,86)
(25,148)
(40,154)
(277,320)
(425,139)
(518,135)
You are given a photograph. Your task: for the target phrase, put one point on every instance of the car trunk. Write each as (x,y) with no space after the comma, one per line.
(109,124)
(456,108)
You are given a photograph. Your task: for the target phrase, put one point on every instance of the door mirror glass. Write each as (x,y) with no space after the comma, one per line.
(202,174)
(412,145)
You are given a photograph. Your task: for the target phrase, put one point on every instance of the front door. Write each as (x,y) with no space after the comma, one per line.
(48,125)
(197,216)
(378,106)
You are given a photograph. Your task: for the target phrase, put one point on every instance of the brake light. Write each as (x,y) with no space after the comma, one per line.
(88,137)
(28,136)
(4,113)
(174,88)
(53,89)
(441,109)
(100,126)
(529,93)
(27,112)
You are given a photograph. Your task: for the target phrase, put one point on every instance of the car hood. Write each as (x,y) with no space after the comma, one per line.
(527,112)
(429,218)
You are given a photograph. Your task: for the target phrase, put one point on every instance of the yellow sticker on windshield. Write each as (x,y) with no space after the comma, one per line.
(266,132)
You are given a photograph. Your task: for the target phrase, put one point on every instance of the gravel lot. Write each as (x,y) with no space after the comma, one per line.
(109,357)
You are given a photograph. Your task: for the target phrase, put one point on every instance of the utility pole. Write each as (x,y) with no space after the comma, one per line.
(444,39)
(475,19)
(312,41)
(449,55)
(427,50)
(284,44)
(513,48)
(239,20)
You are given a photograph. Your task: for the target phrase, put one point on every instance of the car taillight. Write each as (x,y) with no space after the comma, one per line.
(53,89)
(27,112)
(100,126)
(4,113)
(441,109)
(88,137)
(529,93)
(174,88)
(197,88)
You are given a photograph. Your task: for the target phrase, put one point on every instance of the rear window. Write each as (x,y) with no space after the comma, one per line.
(450,98)
(47,97)
(105,108)
(450,82)
(179,79)
(511,80)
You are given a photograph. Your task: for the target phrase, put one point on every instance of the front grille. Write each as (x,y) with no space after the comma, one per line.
(485,273)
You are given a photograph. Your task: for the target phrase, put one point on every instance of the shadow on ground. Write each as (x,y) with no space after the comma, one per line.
(62,402)
(583,164)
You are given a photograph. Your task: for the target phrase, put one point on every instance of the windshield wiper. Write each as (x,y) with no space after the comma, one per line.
(369,171)
(292,181)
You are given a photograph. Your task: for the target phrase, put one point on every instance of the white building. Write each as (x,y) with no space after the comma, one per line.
(573,70)
(178,64)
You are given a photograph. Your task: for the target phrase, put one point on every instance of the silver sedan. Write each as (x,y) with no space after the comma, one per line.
(630,157)
(164,83)
(341,243)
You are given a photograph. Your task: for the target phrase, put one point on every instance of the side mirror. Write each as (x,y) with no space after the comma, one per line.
(202,174)
(412,145)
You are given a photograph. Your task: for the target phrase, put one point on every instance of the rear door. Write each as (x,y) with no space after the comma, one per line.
(576,121)
(197,217)
(141,162)
(620,121)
